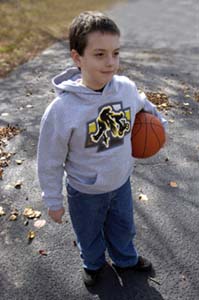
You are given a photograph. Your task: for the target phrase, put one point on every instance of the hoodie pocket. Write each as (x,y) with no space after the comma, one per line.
(71,191)
(84,180)
(80,183)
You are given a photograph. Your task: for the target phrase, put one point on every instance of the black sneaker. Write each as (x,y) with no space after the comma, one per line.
(90,276)
(143,265)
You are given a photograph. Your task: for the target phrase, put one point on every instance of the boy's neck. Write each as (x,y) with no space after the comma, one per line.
(96,90)
(100,90)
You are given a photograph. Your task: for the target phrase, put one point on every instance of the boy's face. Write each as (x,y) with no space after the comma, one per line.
(100,60)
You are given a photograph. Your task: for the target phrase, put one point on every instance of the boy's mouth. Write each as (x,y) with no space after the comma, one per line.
(108,72)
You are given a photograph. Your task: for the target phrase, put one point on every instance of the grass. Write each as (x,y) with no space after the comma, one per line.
(29,26)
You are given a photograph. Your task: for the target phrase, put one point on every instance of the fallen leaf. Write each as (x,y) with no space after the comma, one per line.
(183,277)
(43,252)
(18,184)
(2,212)
(26,222)
(37,213)
(173,184)
(18,161)
(171,121)
(163,105)
(12,218)
(31,235)
(39,223)
(15,212)
(143,197)
(196,96)
(30,213)
(28,93)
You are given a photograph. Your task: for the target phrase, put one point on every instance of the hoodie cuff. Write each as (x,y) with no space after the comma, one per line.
(55,207)
(52,205)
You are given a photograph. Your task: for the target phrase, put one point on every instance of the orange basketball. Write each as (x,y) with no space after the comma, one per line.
(148,135)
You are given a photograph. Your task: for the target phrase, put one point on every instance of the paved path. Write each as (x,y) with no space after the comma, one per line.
(161,53)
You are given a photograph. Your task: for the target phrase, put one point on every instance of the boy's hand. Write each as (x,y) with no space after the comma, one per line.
(56,215)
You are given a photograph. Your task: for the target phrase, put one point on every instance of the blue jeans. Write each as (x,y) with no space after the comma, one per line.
(104,221)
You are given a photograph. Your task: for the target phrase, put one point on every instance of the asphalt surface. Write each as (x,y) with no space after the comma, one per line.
(161,53)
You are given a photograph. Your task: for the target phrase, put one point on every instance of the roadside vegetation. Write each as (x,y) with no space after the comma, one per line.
(29,26)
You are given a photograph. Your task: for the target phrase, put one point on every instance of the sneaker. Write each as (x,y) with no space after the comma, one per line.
(143,264)
(90,276)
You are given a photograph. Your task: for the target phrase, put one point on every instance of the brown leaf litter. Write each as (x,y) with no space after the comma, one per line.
(6,133)
(160,99)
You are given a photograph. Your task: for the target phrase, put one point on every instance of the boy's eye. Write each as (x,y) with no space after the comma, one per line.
(99,54)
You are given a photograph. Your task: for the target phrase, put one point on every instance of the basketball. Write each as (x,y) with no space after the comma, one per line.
(148,135)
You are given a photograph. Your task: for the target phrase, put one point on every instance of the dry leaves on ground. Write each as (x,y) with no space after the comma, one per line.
(173,184)
(30,213)
(160,99)
(12,218)
(14,215)
(196,96)
(43,252)
(143,197)
(6,133)
(39,223)
(2,211)
(18,161)
(18,184)
(186,108)
(31,235)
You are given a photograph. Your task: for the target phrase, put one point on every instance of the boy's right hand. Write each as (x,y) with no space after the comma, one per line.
(56,215)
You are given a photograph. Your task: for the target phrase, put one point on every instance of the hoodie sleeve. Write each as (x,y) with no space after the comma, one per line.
(51,156)
(144,104)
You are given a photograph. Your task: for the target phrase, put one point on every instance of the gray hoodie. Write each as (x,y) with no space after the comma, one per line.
(87,134)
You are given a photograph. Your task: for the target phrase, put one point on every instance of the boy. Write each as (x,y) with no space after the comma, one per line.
(85,132)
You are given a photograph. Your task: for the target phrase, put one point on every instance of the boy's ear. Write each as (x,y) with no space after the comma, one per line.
(75,57)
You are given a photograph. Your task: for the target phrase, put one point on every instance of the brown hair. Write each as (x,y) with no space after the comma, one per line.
(86,23)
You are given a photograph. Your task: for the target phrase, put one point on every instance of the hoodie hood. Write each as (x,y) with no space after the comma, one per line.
(70,81)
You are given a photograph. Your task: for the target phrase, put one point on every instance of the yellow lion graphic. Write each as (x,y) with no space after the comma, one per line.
(110,121)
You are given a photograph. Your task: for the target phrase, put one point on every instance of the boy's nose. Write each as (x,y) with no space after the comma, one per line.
(110,60)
